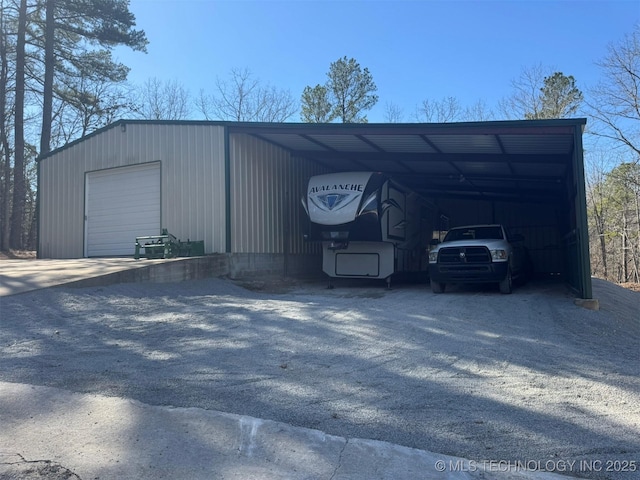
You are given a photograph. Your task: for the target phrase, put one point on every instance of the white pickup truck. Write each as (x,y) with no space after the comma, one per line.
(478,254)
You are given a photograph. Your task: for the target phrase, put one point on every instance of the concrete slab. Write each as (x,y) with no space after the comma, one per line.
(19,276)
(47,432)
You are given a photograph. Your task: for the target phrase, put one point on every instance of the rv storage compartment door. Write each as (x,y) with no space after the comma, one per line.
(357,264)
(360,260)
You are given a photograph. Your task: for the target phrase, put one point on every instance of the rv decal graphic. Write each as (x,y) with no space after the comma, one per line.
(332,201)
(387,204)
(400,225)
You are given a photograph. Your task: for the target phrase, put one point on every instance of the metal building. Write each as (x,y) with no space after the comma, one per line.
(237,186)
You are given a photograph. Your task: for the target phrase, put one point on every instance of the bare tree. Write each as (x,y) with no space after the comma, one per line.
(243,98)
(478,112)
(614,107)
(598,206)
(392,113)
(84,105)
(613,203)
(274,105)
(446,110)
(162,100)
(525,97)
(540,93)
(449,109)
(233,99)
(615,104)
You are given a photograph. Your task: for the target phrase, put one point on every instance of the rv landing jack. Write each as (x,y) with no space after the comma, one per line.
(330,285)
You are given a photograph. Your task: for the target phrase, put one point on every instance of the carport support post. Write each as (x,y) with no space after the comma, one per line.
(581,216)
(286,243)
(227,190)
(38,190)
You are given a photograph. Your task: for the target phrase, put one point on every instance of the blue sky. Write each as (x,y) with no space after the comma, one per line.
(415,50)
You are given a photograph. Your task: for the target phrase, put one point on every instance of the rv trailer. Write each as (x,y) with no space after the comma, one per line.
(369,225)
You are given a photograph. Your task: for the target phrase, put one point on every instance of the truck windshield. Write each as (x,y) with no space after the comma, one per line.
(474,233)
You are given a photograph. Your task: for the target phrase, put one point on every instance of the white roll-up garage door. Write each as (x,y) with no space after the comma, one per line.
(121,204)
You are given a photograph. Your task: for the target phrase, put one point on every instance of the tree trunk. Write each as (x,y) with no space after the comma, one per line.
(625,247)
(19,187)
(636,255)
(49,68)
(601,227)
(598,215)
(5,162)
(603,250)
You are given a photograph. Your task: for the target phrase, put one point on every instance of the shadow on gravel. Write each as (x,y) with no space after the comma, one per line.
(472,373)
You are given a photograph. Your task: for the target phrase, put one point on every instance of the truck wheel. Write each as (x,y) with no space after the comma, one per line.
(437,287)
(506,284)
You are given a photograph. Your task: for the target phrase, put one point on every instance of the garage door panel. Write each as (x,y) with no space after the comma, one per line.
(121,204)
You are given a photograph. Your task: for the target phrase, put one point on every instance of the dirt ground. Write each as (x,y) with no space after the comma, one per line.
(631,286)
(17,255)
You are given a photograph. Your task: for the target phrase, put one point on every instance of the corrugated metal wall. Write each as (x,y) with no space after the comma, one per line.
(267,184)
(463,212)
(541,226)
(193,199)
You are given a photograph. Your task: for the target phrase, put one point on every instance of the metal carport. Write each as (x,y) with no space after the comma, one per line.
(500,170)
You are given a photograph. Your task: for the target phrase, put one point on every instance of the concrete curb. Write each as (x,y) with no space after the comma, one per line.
(55,432)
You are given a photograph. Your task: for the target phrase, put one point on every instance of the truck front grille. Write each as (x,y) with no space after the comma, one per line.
(464,255)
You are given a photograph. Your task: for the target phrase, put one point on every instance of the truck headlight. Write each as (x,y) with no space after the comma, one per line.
(433,257)
(498,255)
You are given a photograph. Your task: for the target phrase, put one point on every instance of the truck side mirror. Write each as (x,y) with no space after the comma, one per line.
(433,242)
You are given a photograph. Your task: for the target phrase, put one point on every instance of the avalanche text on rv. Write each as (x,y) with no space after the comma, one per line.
(353,187)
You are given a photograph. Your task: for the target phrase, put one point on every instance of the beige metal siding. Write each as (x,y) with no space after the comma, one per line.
(61,210)
(266,187)
(192,188)
(193,185)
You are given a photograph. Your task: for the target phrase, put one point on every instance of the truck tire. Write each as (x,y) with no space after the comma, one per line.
(506,285)
(437,287)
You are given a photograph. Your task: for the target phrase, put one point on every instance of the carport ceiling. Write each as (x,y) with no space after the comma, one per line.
(515,161)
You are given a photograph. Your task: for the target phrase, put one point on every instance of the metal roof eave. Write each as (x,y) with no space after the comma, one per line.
(497,127)
(525,127)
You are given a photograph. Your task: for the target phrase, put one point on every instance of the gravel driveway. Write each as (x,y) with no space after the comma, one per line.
(527,377)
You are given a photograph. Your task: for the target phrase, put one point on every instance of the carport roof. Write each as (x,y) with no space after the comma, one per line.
(521,161)
(515,161)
